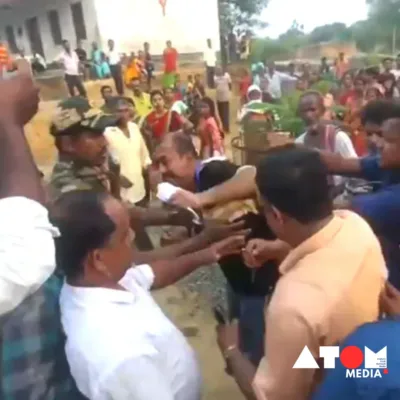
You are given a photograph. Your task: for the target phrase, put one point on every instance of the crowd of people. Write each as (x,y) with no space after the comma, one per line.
(307,261)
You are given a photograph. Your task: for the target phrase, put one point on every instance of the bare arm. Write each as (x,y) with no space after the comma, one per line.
(243,372)
(212,233)
(240,186)
(159,216)
(169,272)
(191,245)
(19,175)
(339,165)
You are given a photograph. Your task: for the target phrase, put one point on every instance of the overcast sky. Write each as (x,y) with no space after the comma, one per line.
(311,13)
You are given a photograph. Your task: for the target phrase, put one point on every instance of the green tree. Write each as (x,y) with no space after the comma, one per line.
(241,15)
(385,15)
(327,33)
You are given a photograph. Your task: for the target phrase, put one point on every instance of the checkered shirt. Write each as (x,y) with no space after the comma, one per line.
(33,362)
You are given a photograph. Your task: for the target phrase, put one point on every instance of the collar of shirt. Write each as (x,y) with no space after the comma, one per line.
(312,244)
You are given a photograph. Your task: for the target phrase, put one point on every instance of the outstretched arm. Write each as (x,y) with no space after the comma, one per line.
(241,186)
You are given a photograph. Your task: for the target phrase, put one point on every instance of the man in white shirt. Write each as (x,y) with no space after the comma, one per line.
(126,144)
(114,60)
(210,59)
(120,345)
(32,361)
(26,236)
(70,61)
(275,79)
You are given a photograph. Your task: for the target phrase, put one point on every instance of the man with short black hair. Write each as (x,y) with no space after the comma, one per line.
(106,92)
(327,287)
(114,60)
(120,345)
(387,64)
(141,99)
(71,64)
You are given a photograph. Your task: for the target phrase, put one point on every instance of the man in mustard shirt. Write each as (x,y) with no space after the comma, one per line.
(141,99)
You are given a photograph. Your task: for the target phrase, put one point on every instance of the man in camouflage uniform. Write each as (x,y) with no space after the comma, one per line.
(78,131)
(84,163)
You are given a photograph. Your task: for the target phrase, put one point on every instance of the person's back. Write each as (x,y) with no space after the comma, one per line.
(375,336)
(32,356)
(347,286)
(330,281)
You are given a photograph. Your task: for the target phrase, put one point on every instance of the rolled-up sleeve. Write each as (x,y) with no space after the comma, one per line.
(287,332)
(27,251)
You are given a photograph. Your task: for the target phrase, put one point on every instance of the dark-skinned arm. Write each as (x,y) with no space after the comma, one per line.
(243,372)
(19,103)
(173,251)
(213,233)
(19,175)
(168,272)
(241,186)
(158,216)
(339,165)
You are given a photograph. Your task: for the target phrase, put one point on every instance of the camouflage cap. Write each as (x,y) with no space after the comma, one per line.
(77,111)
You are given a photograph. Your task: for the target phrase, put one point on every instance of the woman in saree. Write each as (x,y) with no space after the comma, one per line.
(209,130)
(101,69)
(133,70)
(162,120)
(352,118)
(346,88)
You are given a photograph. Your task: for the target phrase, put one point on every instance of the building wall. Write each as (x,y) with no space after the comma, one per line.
(187,23)
(25,9)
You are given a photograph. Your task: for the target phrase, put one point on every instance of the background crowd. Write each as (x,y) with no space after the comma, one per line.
(308,240)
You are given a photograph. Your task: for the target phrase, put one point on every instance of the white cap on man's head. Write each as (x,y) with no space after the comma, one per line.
(253,88)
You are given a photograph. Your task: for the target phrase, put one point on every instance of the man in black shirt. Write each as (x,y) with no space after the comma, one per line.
(178,162)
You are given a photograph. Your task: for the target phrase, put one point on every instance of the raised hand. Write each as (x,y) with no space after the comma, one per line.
(19,99)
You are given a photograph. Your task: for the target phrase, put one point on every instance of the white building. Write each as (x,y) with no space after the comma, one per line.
(38,26)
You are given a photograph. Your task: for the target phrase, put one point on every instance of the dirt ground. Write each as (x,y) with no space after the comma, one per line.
(191,314)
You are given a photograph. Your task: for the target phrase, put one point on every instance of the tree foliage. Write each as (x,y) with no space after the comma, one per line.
(327,33)
(384,19)
(241,15)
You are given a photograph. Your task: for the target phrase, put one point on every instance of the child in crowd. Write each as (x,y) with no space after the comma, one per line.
(208,130)
(244,84)
(223,86)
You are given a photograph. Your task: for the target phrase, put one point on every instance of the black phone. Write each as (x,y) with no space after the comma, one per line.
(220,315)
